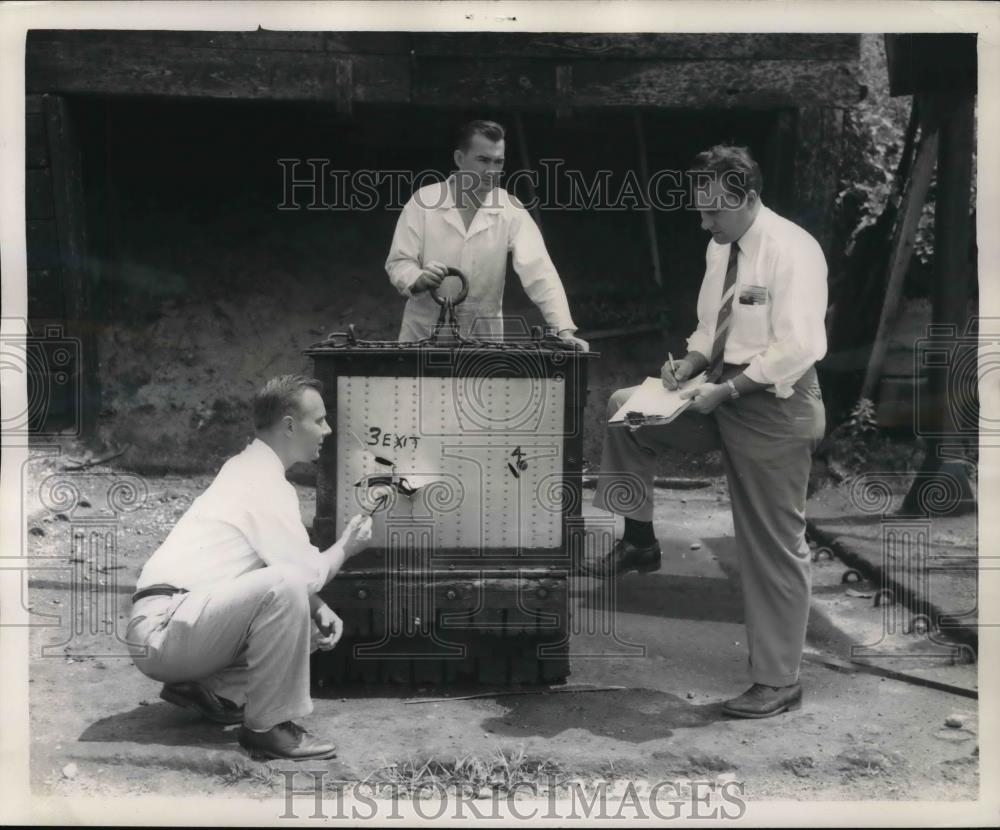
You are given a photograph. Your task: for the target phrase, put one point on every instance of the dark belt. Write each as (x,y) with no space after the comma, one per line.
(157,591)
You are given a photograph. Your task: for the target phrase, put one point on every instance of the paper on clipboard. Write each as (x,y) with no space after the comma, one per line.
(657,404)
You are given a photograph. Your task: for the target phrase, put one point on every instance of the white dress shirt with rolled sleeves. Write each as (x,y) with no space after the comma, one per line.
(248,518)
(430,228)
(779,309)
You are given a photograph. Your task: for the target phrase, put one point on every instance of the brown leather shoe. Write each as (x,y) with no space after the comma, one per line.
(203,701)
(760,701)
(625,557)
(287,741)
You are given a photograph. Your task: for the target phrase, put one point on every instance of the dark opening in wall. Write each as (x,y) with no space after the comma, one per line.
(200,286)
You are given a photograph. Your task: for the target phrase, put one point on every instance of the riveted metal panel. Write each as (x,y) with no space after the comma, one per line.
(485,454)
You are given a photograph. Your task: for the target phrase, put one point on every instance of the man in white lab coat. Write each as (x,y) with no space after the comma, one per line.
(470,223)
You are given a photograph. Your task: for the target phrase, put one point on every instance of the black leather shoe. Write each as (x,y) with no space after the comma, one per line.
(760,701)
(625,557)
(203,701)
(286,741)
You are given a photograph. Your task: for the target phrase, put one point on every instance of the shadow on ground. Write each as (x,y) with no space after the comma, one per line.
(674,597)
(160,723)
(633,715)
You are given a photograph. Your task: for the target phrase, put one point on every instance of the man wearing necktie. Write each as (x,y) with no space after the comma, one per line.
(761,328)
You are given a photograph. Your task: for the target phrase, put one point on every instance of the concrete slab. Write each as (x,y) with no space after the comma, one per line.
(931,565)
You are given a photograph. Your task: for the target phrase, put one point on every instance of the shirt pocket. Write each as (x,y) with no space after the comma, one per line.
(753,319)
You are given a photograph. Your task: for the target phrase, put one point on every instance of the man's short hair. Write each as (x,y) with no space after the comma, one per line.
(279,397)
(489,129)
(733,167)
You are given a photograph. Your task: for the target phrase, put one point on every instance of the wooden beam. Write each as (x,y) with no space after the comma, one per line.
(118,67)
(480,45)
(67,180)
(344,69)
(216,73)
(650,215)
(38,194)
(913,201)
(818,144)
(522,146)
(36,146)
(762,84)
(669,46)
(564,91)
(675,84)
(950,315)
(261,40)
(778,163)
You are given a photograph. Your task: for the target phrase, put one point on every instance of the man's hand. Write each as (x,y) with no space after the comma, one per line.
(430,277)
(707,396)
(567,336)
(674,378)
(356,535)
(330,626)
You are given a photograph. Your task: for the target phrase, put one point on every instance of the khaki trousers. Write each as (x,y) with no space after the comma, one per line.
(247,640)
(767,445)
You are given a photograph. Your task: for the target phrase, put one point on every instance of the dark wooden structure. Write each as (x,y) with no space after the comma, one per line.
(469,583)
(805,81)
(940,70)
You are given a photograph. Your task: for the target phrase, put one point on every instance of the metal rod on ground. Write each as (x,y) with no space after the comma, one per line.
(522,144)
(913,200)
(879,671)
(654,248)
(506,693)
(75,465)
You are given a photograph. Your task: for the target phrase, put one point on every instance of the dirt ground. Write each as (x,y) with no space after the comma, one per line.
(677,646)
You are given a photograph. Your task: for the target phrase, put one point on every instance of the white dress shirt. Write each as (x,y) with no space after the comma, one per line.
(430,228)
(777,325)
(247,518)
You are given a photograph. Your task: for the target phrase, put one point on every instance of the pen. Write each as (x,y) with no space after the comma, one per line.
(673,367)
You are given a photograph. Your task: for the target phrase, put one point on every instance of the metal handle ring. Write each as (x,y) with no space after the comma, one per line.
(460,298)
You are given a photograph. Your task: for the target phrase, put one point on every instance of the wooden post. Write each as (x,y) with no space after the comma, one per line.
(778,163)
(952,226)
(67,182)
(564,91)
(522,144)
(818,140)
(344,69)
(902,251)
(654,248)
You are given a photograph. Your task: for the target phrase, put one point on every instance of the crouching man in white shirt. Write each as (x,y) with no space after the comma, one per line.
(226,611)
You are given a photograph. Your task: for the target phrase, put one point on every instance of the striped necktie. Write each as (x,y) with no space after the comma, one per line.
(725,315)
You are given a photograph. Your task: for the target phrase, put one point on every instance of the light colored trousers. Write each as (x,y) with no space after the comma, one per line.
(248,640)
(767,445)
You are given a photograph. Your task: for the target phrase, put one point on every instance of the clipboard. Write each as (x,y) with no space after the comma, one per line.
(651,404)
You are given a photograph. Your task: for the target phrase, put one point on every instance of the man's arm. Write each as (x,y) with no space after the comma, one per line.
(537,273)
(352,541)
(797,314)
(403,263)
(699,343)
(274,529)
